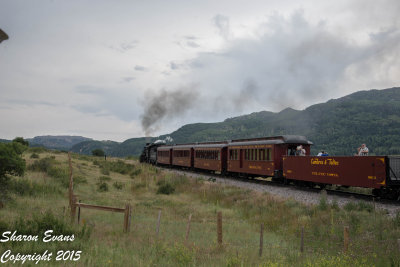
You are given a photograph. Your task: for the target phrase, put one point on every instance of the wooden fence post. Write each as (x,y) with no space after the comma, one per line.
(73,208)
(130,217)
(261,239)
(127,217)
(219,227)
(302,240)
(346,238)
(79,213)
(188,228)
(158,222)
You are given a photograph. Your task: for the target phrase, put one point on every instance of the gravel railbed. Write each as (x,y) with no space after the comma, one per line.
(289,192)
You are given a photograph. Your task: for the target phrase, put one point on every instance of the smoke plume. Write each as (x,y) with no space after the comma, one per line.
(166,105)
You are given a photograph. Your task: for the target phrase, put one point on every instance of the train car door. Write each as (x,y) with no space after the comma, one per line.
(192,157)
(241,158)
(223,159)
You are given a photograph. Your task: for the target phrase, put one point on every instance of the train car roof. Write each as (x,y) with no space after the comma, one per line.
(210,145)
(284,139)
(164,147)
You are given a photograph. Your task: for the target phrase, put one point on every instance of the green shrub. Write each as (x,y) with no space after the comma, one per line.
(104,178)
(135,173)
(166,189)
(136,186)
(115,166)
(323,202)
(118,185)
(121,167)
(42,165)
(102,187)
(359,206)
(34,156)
(39,149)
(105,171)
(4,227)
(24,187)
(396,220)
(98,153)
(79,180)
(60,174)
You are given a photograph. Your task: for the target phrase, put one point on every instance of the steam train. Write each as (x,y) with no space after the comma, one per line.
(274,157)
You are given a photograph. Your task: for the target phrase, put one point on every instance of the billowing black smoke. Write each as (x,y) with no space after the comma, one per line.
(166,105)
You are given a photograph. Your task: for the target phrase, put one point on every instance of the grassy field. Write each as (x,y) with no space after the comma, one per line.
(39,201)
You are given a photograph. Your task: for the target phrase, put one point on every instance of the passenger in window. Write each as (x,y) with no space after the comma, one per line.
(300,151)
(323,154)
(363,150)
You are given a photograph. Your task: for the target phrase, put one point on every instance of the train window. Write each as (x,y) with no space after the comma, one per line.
(163,153)
(269,154)
(256,154)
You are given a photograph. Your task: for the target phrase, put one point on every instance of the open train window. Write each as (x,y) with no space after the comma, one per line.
(291,150)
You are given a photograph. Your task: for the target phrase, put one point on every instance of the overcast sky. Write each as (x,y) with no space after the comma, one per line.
(113,70)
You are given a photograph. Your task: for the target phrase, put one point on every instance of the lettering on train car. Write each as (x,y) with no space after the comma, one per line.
(319,161)
(325,174)
(254,167)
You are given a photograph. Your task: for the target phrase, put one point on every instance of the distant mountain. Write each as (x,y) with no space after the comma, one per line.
(60,142)
(338,126)
(5,141)
(130,147)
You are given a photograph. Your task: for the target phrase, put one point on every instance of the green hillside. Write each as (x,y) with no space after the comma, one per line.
(59,142)
(338,126)
(109,147)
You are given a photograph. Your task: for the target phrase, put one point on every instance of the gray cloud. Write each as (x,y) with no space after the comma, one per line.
(222,23)
(124,47)
(192,44)
(128,79)
(102,101)
(173,65)
(140,68)
(293,63)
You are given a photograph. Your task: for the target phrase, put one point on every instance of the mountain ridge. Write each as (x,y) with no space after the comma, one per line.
(338,126)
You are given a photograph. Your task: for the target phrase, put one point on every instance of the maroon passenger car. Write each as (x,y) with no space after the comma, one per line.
(360,171)
(182,155)
(263,156)
(211,156)
(164,155)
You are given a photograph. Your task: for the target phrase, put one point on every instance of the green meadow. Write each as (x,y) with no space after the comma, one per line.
(38,201)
